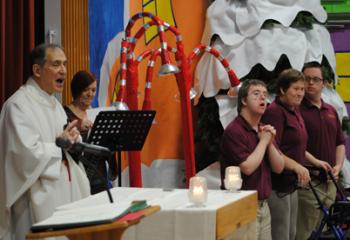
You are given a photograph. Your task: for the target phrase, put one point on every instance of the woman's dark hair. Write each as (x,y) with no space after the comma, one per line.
(243,90)
(287,78)
(81,80)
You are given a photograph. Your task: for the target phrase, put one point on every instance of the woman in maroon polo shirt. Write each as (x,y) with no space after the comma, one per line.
(291,138)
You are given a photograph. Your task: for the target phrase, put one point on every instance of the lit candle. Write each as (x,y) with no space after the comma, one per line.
(197,195)
(233,170)
(198,191)
(233,177)
(233,180)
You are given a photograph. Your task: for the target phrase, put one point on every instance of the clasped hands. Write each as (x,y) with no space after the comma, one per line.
(267,133)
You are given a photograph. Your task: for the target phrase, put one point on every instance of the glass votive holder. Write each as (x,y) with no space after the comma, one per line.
(233,180)
(198,191)
(233,171)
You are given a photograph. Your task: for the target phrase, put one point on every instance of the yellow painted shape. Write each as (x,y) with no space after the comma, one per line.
(343,88)
(114,84)
(343,63)
(163,9)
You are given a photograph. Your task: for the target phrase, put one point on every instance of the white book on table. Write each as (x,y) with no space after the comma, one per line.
(84,216)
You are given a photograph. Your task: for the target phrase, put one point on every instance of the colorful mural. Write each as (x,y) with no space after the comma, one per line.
(340,39)
(162,154)
(107,20)
(339,11)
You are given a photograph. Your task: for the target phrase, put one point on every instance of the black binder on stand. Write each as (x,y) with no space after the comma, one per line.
(121,131)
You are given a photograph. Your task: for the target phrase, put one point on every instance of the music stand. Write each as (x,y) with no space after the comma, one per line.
(121,131)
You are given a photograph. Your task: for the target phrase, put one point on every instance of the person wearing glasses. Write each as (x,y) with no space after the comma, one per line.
(291,137)
(325,145)
(250,145)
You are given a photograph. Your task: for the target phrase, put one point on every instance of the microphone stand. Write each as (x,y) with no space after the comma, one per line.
(80,148)
(105,179)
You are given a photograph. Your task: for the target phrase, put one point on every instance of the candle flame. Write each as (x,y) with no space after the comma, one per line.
(197,190)
(233,177)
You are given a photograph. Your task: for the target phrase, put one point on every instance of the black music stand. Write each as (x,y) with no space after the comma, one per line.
(121,131)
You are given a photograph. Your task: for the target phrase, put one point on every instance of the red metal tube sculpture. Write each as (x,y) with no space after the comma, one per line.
(128,74)
(200,48)
(147,105)
(129,84)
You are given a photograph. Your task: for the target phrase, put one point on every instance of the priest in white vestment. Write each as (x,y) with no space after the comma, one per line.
(34,177)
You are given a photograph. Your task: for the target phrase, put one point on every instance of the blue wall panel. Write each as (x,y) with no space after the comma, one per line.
(105,21)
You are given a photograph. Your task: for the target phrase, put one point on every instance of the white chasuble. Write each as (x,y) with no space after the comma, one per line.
(33,178)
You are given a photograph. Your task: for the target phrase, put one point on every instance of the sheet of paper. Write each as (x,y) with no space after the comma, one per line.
(93,112)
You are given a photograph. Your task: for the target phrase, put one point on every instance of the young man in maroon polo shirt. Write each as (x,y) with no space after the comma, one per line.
(325,145)
(248,144)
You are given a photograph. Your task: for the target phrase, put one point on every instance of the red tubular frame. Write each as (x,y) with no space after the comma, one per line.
(129,84)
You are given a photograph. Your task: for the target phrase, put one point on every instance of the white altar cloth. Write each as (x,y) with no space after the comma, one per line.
(177,220)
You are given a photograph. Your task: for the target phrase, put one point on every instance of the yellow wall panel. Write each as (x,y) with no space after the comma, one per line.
(343,63)
(343,88)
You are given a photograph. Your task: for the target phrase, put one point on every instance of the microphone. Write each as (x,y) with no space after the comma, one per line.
(80,147)
(83,147)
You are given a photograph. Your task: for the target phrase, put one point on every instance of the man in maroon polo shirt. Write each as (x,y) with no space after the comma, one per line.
(325,145)
(248,144)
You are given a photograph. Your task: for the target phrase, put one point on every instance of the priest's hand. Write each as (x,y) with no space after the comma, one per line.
(71,132)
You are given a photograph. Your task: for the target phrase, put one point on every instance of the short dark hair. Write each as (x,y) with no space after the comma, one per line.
(313,65)
(81,80)
(243,91)
(38,54)
(286,78)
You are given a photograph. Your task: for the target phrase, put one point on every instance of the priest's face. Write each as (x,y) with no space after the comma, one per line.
(52,74)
